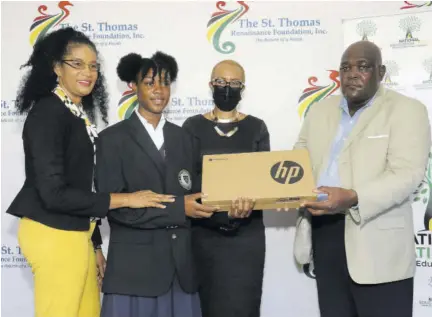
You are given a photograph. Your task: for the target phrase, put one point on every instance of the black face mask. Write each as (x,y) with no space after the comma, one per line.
(226,98)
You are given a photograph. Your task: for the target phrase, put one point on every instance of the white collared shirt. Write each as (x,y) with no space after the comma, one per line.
(155,134)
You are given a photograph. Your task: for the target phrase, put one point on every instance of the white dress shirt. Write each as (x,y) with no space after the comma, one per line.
(156,134)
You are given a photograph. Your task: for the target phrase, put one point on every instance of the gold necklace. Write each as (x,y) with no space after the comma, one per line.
(229,120)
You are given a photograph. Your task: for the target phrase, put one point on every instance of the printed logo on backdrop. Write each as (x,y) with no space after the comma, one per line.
(391,75)
(366,29)
(127,104)
(225,26)
(102,33)
(43,23)
(219,21)
(182,107)
(423,195)
(177,110)
(423,238)
(410,25)
(427,67)
(411,5)
(11,258)
(9,114)
(426,303)
(314,93)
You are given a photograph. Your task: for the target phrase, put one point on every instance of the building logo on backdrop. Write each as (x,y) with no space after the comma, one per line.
(102,33)
(43,23)
(233,24)
(410,25)
(11,258)
(410,5)
(315,93)
(127,104)
(366,29)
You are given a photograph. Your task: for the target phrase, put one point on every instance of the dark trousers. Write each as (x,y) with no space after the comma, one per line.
(338,294)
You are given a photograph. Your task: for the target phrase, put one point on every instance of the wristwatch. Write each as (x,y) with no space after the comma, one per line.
(355,207)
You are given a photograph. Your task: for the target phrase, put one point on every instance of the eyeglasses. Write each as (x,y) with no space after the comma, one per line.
(80,65)
(223,83)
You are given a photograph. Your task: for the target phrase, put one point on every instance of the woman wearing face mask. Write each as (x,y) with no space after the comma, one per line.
(57,204)
(229,248)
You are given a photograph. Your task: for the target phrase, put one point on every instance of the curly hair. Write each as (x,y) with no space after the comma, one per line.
(131,65)
(41,79)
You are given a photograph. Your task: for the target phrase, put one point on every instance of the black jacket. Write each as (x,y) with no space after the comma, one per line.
(149,245)
(59,166)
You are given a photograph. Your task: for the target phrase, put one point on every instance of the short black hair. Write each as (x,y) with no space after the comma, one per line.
(133,64)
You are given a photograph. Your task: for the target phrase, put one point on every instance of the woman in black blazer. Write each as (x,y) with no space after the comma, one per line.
(57,204)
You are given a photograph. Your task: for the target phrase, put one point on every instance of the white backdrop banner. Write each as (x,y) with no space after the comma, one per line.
(291,53)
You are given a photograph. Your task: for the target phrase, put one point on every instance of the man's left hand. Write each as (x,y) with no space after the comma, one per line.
(339,200)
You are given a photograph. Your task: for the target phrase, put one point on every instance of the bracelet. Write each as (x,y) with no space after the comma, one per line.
(98,247)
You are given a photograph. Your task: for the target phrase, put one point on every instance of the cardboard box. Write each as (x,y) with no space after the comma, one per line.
(274,179)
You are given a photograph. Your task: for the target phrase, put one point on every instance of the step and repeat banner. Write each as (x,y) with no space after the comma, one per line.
(290,52)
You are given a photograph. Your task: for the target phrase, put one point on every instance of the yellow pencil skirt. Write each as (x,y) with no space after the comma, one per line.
(64,270)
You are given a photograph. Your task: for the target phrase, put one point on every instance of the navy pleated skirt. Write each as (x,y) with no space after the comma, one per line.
(174,303)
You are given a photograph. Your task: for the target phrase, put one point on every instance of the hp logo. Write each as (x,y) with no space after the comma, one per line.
(287,172)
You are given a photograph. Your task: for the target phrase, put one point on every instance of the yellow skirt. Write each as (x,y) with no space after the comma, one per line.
(64,270)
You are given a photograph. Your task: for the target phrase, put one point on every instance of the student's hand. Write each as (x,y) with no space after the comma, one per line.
(194,209)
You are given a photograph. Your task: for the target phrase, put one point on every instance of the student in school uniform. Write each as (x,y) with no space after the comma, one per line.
(150,269)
